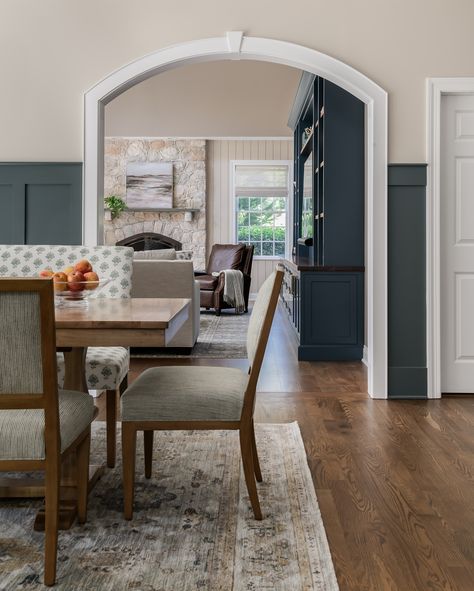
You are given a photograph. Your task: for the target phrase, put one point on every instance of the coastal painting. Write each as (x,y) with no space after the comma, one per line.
(149,185)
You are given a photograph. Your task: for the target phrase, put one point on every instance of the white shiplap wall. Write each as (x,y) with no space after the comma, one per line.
(219,200)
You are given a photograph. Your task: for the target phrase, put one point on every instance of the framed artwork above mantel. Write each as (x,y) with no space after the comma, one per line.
(149,185)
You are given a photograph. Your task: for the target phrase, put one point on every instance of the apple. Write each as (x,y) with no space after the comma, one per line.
(68,270)
(60,281)
(46,273)
(83,266)
(92,280)
(75,281)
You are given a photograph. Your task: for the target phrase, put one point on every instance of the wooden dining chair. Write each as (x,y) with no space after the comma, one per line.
(199,397)
(39,426)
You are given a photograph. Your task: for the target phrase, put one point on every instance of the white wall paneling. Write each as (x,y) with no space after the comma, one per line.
(220,202)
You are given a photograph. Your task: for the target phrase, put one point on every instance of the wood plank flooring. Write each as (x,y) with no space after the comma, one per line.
(394,479)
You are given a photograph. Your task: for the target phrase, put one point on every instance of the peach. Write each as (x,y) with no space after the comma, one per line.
(83,266)
(46,273)
(68,270)
(60,281)
(92,280)
(75,281)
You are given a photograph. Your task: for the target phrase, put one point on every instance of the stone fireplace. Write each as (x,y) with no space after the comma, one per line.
(136,227)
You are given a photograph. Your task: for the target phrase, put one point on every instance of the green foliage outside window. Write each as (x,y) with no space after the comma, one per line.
(261,221)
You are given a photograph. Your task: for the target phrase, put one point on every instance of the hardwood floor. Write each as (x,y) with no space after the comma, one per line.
(394,480)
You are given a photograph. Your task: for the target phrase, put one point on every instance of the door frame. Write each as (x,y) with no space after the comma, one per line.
(235,45)
(436,88)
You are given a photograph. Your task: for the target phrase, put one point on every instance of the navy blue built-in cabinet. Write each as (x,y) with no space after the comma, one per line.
(323,289)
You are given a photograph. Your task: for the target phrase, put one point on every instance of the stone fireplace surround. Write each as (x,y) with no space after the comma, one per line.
(189,191)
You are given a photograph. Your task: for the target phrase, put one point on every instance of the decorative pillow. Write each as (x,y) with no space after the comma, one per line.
(184,255)
(162,254)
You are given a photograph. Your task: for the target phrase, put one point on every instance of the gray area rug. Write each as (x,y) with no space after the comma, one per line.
(220,337)
(193,528)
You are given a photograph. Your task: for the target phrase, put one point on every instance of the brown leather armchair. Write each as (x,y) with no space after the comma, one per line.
(224,256)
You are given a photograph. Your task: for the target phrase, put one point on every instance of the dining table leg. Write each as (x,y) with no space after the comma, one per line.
(75,369)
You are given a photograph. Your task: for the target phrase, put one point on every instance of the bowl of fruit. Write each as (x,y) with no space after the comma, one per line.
(75,284)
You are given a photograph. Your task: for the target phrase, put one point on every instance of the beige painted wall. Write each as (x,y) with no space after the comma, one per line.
(219,201)
(52,51)
(213,99)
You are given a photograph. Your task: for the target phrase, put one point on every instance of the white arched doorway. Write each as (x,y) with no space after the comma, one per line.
(235,46)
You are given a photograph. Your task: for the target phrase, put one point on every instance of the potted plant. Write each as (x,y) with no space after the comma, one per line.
(115,205)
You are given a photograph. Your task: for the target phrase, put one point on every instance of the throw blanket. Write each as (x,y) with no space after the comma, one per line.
(234,289)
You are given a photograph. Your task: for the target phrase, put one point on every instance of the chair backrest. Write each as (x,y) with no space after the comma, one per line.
(28,374)
(225,256)
(247,259)
(114,262)
(258,332)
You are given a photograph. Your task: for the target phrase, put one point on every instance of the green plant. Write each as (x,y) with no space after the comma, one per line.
(115,204)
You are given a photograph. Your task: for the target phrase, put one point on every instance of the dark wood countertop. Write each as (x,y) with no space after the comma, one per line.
(306,264)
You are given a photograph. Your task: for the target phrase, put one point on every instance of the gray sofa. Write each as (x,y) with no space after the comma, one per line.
(169,279)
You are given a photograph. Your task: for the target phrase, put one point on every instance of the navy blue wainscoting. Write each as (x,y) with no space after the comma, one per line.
(40,203)
(407,372)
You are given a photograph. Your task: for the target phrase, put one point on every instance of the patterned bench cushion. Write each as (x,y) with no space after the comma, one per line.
(106,367)
(111,262)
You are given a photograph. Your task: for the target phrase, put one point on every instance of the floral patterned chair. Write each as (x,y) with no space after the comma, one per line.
(106,367)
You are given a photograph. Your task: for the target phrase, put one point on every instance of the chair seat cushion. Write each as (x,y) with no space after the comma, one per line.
(106,367)
(207,282)
(185,394)
(22,431)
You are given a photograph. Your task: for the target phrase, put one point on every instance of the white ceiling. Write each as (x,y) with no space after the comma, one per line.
(214,99)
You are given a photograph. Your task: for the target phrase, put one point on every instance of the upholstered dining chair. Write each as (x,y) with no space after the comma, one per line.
(39,426)
(194,397)
(106,367)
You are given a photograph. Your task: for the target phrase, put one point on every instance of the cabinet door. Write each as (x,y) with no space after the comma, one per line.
(332,315)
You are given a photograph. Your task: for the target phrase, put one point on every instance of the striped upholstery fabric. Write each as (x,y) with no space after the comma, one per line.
(106,367)
(257,318)
(20,344)
(22,431)
(185,394)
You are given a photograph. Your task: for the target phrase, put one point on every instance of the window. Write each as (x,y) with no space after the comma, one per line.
(261,192)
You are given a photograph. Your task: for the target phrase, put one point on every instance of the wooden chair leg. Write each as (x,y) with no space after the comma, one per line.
(247,461)
(52,478)
(256,463)
(129,444)
(148,448)
(83,452)
(111,426)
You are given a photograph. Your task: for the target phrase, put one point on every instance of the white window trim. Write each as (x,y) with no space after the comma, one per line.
(289,203)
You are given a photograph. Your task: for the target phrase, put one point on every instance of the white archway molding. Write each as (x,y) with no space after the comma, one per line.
(235,45)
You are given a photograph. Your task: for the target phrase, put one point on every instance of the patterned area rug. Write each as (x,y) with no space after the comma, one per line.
(193,528)
(220,337)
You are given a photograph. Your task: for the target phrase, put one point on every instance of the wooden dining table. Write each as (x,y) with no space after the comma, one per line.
(106,322)
(113,322)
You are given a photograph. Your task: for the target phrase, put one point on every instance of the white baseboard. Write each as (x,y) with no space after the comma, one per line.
(365,356)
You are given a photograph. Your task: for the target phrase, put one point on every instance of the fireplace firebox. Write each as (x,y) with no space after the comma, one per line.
(150,241)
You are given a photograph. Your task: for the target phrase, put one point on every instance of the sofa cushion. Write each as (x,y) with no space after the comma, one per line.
(161,254)
(207,282)
(225,256)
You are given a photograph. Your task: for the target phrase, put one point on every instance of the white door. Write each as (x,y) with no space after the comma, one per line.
(457,243)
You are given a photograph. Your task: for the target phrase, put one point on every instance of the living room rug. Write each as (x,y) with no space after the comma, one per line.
(220,337)
(193,528)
